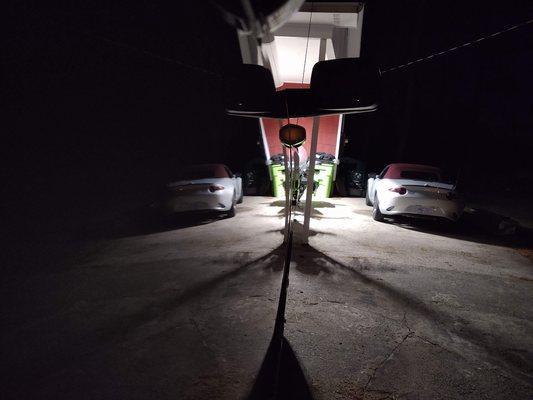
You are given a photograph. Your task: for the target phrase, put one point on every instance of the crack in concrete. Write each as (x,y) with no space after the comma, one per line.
(424,339)
(391,353)
(202,337)
(433,343)
(416,335)
(411,333)
(404,322)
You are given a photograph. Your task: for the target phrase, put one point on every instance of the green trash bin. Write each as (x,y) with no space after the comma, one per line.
(278,179)
(323,176)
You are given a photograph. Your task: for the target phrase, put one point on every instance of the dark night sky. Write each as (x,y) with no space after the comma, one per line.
(84,106)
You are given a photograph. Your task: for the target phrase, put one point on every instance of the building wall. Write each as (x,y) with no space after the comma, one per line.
(327,132)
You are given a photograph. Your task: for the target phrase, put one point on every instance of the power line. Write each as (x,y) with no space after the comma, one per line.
(451,49)
(130,47)
(151,54)
(307,41)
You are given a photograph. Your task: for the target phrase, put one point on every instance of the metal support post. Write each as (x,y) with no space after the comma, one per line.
(310,179)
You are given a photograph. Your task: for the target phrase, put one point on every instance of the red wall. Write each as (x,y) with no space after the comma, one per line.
(327,131)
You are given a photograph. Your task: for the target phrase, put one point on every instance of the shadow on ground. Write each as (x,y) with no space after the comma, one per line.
(316,204)
(73,347)
(144,221)
(280,376)
(311,261)
(315,212)
(480,227)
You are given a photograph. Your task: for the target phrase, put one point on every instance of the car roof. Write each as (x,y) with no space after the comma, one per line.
(402,166)
(395,170)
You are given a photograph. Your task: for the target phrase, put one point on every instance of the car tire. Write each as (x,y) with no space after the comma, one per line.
(231,212)
(367,200)
(376,214)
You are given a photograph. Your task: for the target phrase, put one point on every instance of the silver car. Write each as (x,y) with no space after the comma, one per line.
(206,187)
(412,190)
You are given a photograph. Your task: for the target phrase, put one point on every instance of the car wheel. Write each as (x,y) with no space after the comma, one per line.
(231,212)
(376,214)
(367,199)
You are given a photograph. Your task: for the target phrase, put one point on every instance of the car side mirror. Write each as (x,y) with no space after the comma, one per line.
(250,91)
(345,86)
(372,175)
(340,86)
(237,175)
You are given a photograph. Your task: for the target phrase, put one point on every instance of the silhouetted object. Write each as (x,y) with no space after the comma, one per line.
(343,86)
(351,177)
(291,383)
(291,135)
(256,180)
(250,91)
(491,222)
(280,376)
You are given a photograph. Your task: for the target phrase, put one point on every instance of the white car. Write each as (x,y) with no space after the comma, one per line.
(206,187)
(412,190)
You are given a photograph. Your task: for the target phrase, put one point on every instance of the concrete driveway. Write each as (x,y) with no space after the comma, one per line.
(374,311)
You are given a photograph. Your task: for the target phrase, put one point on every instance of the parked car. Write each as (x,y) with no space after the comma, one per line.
(206,187)
(412,190)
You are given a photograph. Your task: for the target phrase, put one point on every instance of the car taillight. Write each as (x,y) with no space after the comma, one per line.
(451,195)
(398,189)
(214,188)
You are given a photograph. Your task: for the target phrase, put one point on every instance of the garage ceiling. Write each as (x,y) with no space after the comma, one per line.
(287,52)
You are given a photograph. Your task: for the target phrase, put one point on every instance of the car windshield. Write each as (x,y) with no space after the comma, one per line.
(420,175)
(202,172)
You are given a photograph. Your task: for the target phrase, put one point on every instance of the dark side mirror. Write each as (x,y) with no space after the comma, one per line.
(345,86)
(372,175)
(250,91)
(342,86)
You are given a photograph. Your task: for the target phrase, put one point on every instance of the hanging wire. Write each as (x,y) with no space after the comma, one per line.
(452,49)
(307,42)
(96,37)
(150,54)
(287,109)
(279,325)
(306,48)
